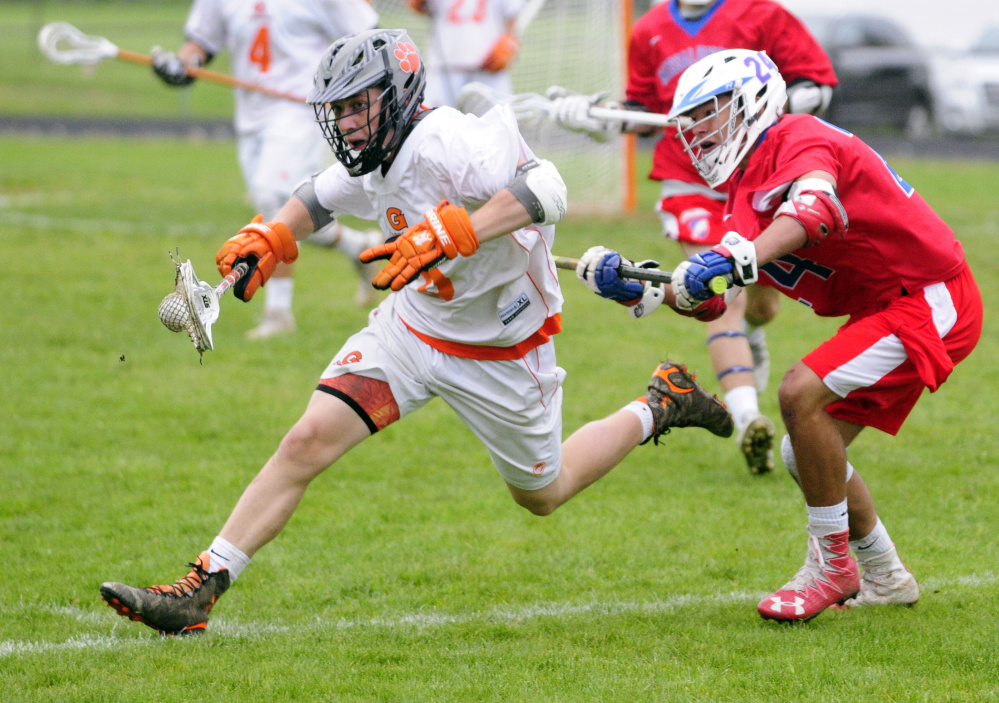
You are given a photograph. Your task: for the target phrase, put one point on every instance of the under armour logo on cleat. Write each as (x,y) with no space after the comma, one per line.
(777,605)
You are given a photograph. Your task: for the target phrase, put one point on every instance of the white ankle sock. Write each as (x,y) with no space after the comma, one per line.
(827,519)
(744,405)
(278,294)
(225,555)
(644,413)
(877,542)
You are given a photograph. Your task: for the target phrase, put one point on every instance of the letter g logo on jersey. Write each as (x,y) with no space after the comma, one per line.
(351,358)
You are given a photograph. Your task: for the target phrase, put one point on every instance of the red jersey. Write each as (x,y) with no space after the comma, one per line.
(895,243)
(664,44)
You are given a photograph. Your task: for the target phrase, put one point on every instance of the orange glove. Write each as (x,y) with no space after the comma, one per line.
(261,245)
(445,232)
(418,6)
(502,54)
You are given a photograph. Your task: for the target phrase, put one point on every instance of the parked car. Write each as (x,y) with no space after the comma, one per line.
(968,87)
(884,77)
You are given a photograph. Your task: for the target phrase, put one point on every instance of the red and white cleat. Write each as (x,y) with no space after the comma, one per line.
(828,577)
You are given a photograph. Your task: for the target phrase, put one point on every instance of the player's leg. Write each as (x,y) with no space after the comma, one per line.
(326,431)
(762,305)
(672,400)
(353,400)
(692,215)
(268,189)
(829,575)
(351,242)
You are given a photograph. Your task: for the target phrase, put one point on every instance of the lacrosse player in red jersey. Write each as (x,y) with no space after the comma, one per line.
(666,40)
(475,304)
(473,41)
(821,217)
(276,44)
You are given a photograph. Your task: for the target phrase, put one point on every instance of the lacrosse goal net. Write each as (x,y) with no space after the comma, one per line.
(580,45)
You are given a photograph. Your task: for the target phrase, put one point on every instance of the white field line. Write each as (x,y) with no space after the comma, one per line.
(49,223)
(419,620)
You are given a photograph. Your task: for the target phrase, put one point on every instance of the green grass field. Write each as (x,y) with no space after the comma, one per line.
(408,573)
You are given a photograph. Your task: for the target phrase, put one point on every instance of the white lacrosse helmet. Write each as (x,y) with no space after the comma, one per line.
(758,94)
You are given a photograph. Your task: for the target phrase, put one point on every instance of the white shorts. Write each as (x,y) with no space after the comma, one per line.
(513,407)
(279,157)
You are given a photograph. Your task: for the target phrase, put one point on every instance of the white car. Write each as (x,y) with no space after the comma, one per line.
(967,87)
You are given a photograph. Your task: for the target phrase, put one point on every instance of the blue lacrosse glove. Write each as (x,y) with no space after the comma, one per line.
(598,267)
(702,269)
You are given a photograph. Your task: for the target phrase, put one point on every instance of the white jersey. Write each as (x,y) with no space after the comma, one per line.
(276,43)
(508,289)
(463,32)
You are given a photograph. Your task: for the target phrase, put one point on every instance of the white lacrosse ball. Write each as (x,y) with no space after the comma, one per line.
(173,312)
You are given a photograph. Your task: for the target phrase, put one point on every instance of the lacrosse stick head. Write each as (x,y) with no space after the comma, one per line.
(63,43)
(192,307)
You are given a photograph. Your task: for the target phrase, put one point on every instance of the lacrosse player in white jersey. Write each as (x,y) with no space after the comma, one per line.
(475,303)
(473,41)
(275,44)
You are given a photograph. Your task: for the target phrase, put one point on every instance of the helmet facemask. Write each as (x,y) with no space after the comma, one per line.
(380,141)
(383,59)
(740,89)
(725,144)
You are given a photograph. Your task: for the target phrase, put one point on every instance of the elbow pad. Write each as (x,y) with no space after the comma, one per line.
(813,202)
(540,189)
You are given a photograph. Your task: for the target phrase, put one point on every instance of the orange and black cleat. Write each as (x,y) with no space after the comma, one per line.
(179,609)
(677,401)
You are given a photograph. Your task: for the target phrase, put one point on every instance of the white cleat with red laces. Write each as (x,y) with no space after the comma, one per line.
(828,577)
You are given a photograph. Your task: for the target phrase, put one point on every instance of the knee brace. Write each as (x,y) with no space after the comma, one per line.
(787,454)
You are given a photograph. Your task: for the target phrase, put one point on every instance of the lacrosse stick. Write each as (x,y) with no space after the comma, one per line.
(194,305)
(64,44)
(718,284)
(531,109)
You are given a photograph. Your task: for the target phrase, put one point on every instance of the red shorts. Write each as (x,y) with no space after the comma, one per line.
(693,219)
(879,364)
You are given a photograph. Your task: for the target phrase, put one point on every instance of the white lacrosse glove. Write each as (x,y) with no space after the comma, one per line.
(572,111)
(598,269)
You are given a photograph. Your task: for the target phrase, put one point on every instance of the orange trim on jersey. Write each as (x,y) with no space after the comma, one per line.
(481,352)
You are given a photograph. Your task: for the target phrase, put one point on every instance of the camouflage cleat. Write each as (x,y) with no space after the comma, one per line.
(756,442)
(172,610)
(677,401)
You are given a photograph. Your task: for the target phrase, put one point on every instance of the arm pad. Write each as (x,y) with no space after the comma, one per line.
(306,193)
(539,187)
(813,202)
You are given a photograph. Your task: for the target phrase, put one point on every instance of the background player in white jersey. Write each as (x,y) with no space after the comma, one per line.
(668,38)
(275,44)
(476,332)
(471,41)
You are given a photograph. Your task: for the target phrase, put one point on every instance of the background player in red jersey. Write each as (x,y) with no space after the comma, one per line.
(825,220)
(664,42)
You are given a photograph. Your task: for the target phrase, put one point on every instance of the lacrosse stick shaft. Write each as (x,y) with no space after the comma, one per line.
(654,275)
(63,43)
(231,278)
(212,76)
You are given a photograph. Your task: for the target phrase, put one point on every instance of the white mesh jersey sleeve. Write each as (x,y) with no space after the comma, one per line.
(277,44)
(464,31)
(502,294)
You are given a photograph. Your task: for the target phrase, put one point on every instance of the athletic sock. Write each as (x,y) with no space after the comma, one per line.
(826,519)
(743,403)
(278,294)
(644,413)
(877,542)
(225,555)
